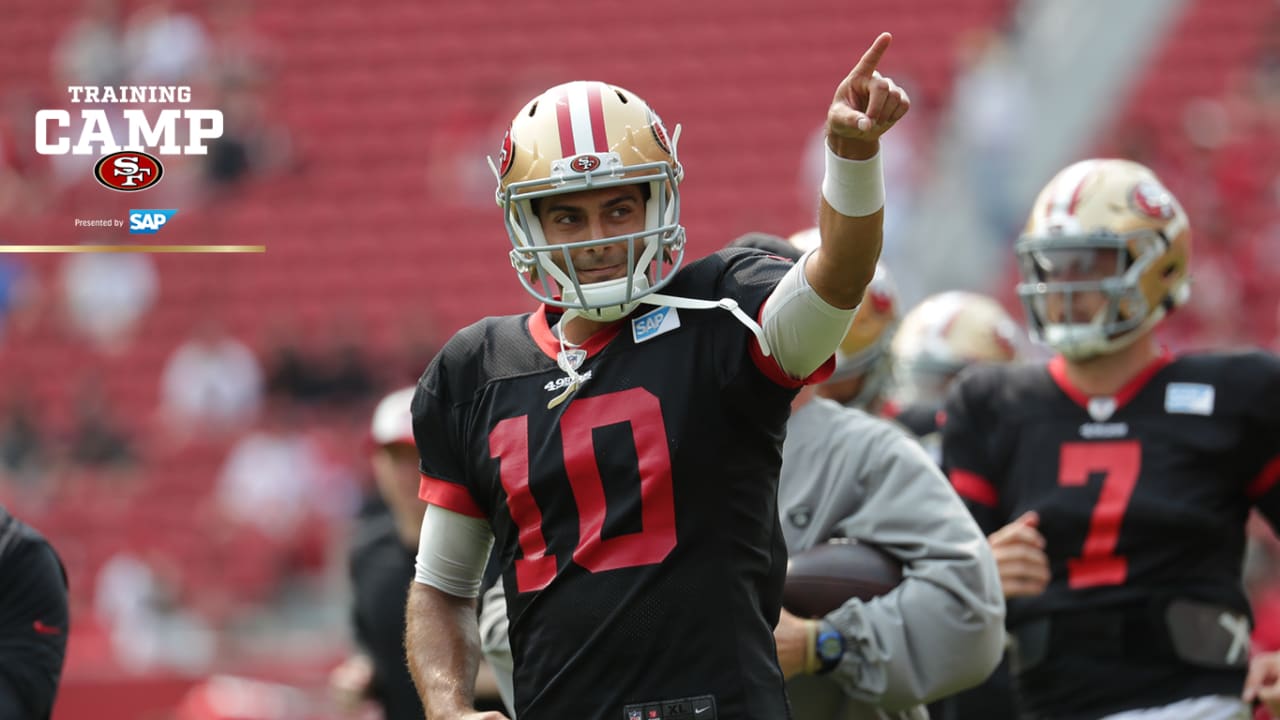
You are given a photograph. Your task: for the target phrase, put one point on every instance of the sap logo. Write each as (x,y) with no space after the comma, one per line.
(655,323)
(1189,398)
(148,221)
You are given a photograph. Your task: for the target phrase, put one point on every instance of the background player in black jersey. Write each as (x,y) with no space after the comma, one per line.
(938,338)
(34,621)
(1122,475)
(624,462)
(381,567)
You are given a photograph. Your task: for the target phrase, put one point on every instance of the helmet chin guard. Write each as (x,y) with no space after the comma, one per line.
(607,301)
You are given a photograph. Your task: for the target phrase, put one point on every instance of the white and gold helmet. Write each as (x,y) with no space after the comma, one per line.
(1105,226)
(864,352)
(946,333)
(581,136)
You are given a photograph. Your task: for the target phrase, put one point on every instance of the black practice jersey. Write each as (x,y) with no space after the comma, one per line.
(635,524)
(1142,498)
(381,569)
(34,621)
(921,418)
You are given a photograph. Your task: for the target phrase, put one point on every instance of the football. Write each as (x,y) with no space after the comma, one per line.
(825,576)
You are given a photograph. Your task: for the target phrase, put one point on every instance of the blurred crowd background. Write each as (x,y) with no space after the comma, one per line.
(188,430)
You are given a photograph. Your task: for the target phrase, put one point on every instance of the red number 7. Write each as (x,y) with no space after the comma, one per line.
(1120,461)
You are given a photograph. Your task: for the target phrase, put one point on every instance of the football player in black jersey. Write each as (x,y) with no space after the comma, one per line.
(620,446)
(1121,475)
(34,621)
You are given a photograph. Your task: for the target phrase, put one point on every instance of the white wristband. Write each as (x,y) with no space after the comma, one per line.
(854,188)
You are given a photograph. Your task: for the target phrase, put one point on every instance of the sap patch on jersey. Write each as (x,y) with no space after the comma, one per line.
(654,323)
(1189,398)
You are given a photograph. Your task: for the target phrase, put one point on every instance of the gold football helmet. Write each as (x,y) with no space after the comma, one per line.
(1108,227)
(946,333)
(580,136)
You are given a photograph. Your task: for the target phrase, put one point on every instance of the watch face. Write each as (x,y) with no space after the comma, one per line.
(830,646)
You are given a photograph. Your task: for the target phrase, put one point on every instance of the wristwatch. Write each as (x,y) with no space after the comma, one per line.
(829,647)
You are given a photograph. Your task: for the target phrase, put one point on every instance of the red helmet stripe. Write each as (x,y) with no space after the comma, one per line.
(1075,195)
(1065,196)
(565,121)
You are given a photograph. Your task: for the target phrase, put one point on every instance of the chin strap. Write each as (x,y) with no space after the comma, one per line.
(570,368)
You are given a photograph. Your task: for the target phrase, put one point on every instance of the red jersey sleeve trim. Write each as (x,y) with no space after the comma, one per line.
(1266,480)
(973,486)
(450,496)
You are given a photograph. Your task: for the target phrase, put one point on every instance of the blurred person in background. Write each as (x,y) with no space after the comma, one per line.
(137,598)
(864,366)
(20,298)
(250,145)
(1119,475)
(848,474)
(991,133)
(106,294)
(91,51)
(523,421)
(34,621)
(381,567)
(277,481)
(24,452)
(98,440)
(212,382)
(938,338)
(164,45)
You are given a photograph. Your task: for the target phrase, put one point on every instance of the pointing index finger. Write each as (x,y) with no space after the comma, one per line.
(871,58)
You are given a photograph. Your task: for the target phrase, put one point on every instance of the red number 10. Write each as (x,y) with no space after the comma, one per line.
(1120,460)
(509,443)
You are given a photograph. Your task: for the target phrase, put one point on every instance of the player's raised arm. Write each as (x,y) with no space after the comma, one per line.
(851,218)
(810,310)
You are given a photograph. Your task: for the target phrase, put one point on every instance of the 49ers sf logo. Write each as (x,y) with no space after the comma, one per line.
(585,163)
(1151,199)
(128,171)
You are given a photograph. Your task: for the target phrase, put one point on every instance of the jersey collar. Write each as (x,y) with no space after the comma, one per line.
(546,340)
(1058,371)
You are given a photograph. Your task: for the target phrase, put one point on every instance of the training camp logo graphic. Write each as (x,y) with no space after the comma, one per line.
(128,167)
